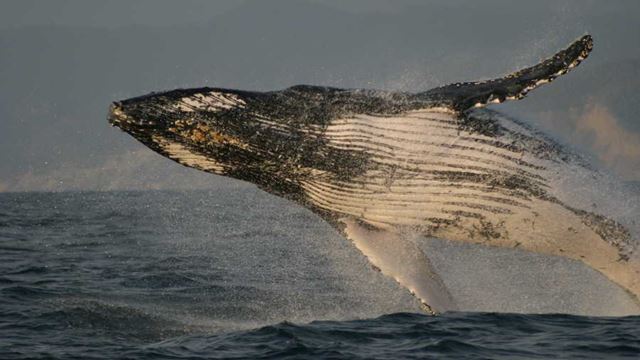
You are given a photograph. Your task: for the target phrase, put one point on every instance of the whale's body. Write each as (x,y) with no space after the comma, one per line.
(382,167)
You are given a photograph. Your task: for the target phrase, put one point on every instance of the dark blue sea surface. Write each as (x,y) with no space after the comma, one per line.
(235,273)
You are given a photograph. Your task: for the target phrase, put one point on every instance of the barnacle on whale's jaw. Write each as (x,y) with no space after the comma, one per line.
(138,127)
(116,116)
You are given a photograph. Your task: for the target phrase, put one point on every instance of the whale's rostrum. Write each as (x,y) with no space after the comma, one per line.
(382,166)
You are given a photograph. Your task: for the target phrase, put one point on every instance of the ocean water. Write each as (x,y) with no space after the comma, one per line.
(236,273)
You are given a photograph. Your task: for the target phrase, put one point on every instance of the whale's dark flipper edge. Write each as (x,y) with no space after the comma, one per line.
(515,86)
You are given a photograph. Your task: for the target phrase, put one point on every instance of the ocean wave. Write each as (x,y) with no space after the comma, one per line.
(160,281)
(406,335)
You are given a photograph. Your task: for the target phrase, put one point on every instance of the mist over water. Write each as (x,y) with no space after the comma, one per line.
(199,274)
(258,264)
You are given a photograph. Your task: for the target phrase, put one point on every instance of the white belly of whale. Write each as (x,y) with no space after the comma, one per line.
(413,152)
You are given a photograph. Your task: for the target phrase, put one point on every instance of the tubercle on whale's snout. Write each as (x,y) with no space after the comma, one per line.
(119,116)
(115,113)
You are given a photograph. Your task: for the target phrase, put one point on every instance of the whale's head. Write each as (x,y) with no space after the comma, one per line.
(234,133)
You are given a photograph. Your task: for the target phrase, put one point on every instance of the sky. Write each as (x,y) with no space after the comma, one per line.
(63,61)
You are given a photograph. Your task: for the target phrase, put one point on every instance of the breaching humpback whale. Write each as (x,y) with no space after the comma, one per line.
(382,166)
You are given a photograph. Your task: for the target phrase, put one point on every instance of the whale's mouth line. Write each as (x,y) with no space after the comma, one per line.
(184,155)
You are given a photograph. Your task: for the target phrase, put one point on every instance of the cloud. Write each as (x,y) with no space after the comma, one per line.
(596,129)
(614,145)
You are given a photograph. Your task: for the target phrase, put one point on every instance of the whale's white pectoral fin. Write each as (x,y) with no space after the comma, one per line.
(400,258)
